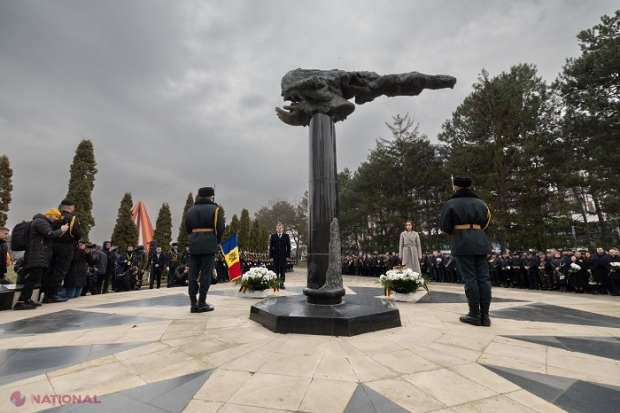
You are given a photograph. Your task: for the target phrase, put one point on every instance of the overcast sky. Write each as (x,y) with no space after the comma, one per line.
(176,95)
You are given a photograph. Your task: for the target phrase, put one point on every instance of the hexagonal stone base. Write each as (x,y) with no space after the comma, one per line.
(356,315)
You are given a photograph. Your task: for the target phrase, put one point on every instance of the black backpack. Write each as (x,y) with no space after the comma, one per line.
(19,236)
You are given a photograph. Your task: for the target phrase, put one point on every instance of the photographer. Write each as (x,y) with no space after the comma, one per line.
(179,278)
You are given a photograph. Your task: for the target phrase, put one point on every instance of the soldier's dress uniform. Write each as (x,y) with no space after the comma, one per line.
(204,222)
(465,217)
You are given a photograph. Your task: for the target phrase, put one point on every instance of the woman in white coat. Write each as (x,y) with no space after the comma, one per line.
(410,248)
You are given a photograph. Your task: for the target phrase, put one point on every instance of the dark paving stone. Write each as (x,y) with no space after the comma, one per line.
(546,313)
(575,396)
(20,364)
(608,347)
(441,297)
(545,386)
(67,320)
(176,300)
(589,397)
(168,396)
(367,291)
(366,400)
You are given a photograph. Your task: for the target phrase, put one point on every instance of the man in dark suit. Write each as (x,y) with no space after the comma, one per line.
(280,252)
(160,261)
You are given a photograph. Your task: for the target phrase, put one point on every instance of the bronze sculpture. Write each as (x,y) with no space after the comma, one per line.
(328,91)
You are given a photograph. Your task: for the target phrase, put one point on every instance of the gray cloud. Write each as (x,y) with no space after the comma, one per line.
(178,95)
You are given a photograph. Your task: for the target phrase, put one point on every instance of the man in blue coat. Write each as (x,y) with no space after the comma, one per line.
(465,217)
(205,223)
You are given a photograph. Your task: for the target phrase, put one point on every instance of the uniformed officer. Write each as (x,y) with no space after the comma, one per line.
(465,217)
(204,222)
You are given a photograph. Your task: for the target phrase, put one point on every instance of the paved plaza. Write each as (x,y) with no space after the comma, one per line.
(145,352)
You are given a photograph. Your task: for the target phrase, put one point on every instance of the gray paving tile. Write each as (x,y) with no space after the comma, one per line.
(155,390)
(177,399)
(546,313)
(175,300)
(545,386)
(68,320)
(608,347)
(167,396)
(441,297)
(366,400)
(589,397)
(23,363)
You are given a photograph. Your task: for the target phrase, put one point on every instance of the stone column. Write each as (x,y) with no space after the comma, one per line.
(323,238)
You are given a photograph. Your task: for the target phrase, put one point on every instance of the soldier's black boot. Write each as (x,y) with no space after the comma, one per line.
(473,317)
(484,314)
(194,302)
(203,307)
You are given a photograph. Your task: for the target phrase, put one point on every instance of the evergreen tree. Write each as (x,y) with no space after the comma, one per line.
(81,185)
(590,88)
(264,239)
(125,232)
(244,230)
(183,237)
(503,136)
(405,177)
(255,236)
(163,228)
(6,186)
(234,225)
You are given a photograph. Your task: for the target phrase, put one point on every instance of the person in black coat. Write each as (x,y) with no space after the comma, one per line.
(75,280)
(38,253)
(62,252)
(158,263)
(280,252)
(465,217)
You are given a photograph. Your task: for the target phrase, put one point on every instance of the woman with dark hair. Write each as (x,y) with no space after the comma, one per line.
(410,248)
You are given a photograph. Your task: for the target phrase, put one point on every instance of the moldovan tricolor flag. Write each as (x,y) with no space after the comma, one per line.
(231,254)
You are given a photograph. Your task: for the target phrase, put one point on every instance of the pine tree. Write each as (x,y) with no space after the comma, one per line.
(244,230)
(182,239)
(125,231)
(81,185)
(255,236)
(234,225)
(264,238)
(163,228)
(6,186)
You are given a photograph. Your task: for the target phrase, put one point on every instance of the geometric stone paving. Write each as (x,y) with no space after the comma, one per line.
(144,351)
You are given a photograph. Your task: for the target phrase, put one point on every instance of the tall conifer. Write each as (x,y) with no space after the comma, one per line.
(125,232)
(163,227)
(81,184)
(182,239)
(244,230)
(6,186)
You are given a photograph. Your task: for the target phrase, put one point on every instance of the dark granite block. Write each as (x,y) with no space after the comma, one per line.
(589,397)
(441,297)
(356,315)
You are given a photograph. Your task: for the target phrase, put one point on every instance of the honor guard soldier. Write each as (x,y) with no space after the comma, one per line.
(465,217)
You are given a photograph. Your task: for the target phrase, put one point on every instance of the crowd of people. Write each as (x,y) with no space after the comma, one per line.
(591,272)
